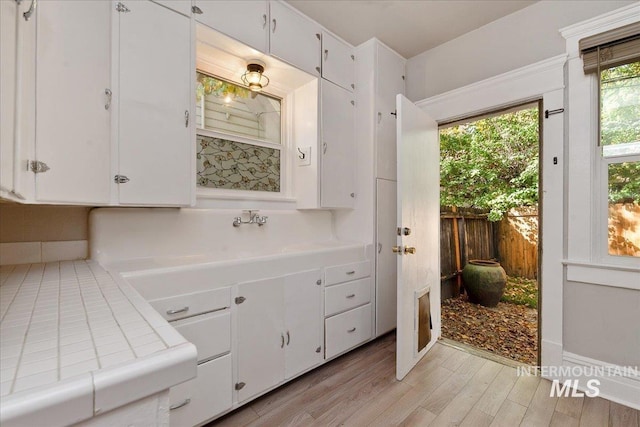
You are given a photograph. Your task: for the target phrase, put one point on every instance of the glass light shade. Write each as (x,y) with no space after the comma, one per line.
(254,78)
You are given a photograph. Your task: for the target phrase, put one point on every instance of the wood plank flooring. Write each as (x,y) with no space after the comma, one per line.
(448,387)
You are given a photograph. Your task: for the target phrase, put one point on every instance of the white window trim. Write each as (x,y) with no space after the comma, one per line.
(587,236)
(205,195)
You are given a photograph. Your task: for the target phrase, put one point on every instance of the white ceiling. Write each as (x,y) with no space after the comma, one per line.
(407,26)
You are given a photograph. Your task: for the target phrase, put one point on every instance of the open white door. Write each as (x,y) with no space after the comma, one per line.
(418,247)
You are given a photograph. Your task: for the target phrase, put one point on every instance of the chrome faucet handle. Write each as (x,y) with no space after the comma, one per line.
(237,221)
(262,220)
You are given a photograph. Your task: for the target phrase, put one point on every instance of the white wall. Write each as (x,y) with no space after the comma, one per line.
(532,32)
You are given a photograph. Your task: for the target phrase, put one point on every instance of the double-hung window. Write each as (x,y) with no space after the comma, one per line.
(614,60)
(239,137)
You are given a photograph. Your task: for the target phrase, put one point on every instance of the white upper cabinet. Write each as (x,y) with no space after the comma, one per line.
(337,61)
(337,187)
(294,38)
(73,101)
(389,83)
(245,21)
(155,92)
(180,6)
(8,13)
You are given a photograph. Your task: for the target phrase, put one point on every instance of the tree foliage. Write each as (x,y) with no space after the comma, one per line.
(491,163)
(620,125)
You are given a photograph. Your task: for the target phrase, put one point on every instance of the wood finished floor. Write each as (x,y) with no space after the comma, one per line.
(448,387)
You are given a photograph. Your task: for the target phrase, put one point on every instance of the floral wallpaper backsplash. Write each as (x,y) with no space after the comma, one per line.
(234,165)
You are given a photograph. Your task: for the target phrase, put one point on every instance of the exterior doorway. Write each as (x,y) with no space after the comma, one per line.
(490,210)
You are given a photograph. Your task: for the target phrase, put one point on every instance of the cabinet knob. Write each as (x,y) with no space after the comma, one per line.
(351,330)
(353,195)
(264,21)
(318,69)
(326,54)
(324,148)
(196,10)
(274,25)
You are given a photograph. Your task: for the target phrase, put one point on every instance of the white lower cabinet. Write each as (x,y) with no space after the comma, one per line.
(211,333)
(346,330)
(203,397)
(279,330)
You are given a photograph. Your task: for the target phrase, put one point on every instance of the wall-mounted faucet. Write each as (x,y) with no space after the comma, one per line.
(254,218)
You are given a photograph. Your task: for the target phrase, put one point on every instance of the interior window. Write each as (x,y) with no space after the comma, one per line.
(239,137)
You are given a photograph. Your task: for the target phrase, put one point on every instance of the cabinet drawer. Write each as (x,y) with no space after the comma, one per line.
(203,397)
(188,305)
(347,330)
(346,296)
(211,333)
(345,272)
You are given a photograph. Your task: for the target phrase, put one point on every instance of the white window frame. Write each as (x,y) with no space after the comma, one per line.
(586,247)
(600,224)
(286,163)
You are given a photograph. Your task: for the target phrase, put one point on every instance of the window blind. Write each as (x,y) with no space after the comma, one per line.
(615,47)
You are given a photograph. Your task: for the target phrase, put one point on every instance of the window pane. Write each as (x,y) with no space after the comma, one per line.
(234,165)
(624,209)
(620,110)
(230,108)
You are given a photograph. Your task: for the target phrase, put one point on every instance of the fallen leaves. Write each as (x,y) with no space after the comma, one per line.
(508,330)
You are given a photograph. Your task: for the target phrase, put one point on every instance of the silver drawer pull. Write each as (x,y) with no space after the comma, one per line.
(352,330)
(179,310)
(351,295)
(180,405)
(351,272)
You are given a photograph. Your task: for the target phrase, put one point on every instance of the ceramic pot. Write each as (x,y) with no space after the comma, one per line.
(484,281)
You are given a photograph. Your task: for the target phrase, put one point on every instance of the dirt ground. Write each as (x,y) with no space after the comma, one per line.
(508,330)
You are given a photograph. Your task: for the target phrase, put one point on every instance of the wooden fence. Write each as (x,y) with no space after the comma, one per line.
(512,241)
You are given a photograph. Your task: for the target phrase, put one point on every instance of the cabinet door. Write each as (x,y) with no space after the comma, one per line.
(294,38)
(154,140)
(73,111)
(8,13)
(244,20)
(261,337)
(203,397)
(338,147)
(386,267)
(337,61)
(303,321)
(390,82)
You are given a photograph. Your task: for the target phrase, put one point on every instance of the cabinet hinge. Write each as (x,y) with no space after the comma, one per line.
(196,10)
(36,166)
(120,179)
(318,350)
(122,8)
(240,300)
(240,386)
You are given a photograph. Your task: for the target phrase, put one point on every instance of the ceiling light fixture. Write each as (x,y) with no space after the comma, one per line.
(254,78)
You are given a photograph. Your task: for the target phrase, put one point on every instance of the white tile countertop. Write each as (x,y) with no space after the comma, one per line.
(75,343)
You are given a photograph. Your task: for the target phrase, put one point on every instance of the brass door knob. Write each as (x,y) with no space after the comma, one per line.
(409,250)
(397,249)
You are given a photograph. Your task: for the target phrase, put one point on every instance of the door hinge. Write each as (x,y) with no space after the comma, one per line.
(120,179)
(240,300)
(240,386)
(196,10)
(122,8)
(36,166)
